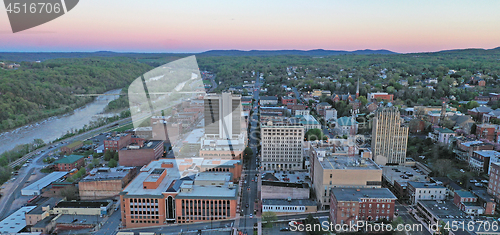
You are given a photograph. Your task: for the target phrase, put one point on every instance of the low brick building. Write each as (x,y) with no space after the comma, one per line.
(69,163)
(105,182)
(118,142)
(68,149)
(350,205)
(140,155)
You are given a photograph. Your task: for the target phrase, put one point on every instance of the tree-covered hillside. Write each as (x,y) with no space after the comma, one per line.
(39,90)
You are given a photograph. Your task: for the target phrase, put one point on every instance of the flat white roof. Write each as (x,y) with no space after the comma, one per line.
(45,181)
(16,221)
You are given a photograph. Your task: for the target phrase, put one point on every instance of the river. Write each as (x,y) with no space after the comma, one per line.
(55,127)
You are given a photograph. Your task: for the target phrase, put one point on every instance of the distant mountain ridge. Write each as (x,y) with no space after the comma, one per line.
(34,56)
(317,52)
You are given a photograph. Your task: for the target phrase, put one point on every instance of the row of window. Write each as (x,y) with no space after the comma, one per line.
(145,221)
(290,208)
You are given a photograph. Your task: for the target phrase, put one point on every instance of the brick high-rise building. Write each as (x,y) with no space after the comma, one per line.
(389,137)
(494,182)
(161,194)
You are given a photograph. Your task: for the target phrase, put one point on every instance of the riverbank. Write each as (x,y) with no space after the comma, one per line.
(54,127)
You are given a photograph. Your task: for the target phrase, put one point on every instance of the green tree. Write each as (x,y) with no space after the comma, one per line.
(269,217)
(112,163)
(108,155)
(315,134)
(247,153)
(363,100)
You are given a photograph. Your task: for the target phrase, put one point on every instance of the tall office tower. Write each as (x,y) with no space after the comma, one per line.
(282,146)
(389,137)
(223,115)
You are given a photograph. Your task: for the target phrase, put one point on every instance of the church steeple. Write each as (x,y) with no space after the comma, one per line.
(357,90)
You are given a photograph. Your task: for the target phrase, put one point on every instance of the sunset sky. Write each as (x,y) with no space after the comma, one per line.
(194,26)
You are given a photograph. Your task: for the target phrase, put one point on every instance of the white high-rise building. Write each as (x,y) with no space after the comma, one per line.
(389,137)
(282,146)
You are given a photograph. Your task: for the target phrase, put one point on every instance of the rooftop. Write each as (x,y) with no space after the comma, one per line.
(44,222)
(135,187)
(348,163)
(78,219)
(346,121)
(69,159)
(82,204)
(16,221)
(354,194)
(147,145)
(45,181)
(444,130)
(424,185)
(488,153)
(106,173)
(210,192)
(443,209)
(50,202)
(394,173)
(269,98)
(464,193)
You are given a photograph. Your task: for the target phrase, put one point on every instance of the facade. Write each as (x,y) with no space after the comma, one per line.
(425,191)
(285,100)
(83,207)
(322,107)
(330,114)
(494,182)
(382,96)
(140,154)
(118,142)
(389,137)
(44,226)
(487,131)
(288,206)
(350,205)
(284,190)
(282,146)
(41,211)
(329,171)
(164,192)
(482,160)
(478,112)
(442,135)
(467,202)
(105,182)
(268,100)
(69,163)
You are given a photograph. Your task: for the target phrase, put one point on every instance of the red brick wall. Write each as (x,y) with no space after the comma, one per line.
(139,157)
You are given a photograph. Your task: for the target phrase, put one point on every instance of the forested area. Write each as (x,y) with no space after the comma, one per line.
(39,90)
(376,73)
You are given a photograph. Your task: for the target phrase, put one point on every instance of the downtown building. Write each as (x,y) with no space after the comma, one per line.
(168,191)
(281,145)
(350,205)
(330,170)
(389,137)
(225,134)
